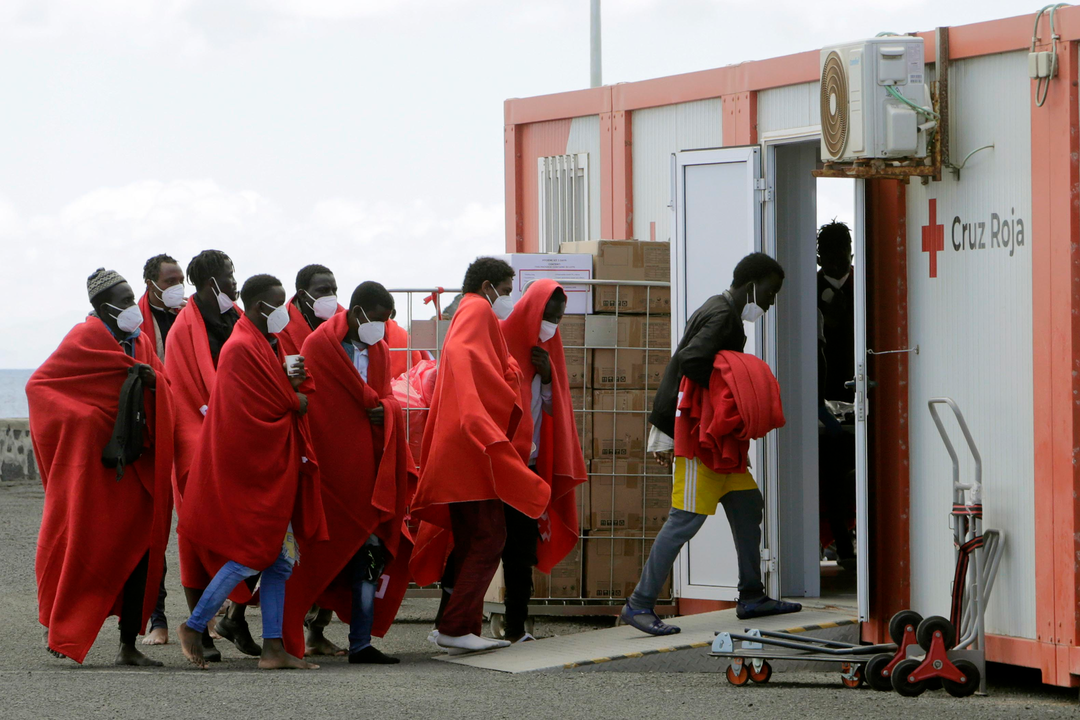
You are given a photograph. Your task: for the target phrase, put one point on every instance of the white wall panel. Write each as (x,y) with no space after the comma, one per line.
(585,138)
(657,133)
(973,324)
(789,107)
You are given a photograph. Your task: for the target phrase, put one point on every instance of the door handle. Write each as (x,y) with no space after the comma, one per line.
(870,384)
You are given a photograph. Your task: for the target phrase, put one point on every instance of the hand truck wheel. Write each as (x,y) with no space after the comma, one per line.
(873,672)
(852,676)
(901,682)
(972,678)
(738,673)
(762,675)
(900,622)
(932,626)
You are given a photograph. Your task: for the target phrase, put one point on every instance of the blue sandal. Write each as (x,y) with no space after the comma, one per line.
(646,621)
(764,607)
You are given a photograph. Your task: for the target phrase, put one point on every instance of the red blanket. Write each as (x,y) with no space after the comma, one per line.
(95,530)
(191,371)
(255,471)
(366,473)
(560,462)
(294,335)
(467,452)
(396,337)
(149,326)
(716,425)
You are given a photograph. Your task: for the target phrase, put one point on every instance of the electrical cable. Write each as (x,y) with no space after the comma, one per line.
(914,105)
(1042,91)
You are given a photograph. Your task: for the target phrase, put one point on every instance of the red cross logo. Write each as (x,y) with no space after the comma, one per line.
(933,238)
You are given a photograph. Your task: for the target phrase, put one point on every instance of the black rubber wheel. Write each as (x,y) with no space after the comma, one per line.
(740,679)
(970,684)
(873,671)
(900,681)
(925,633)
(900,621)
(760,676)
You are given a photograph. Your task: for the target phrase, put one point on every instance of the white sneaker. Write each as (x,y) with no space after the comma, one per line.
(433,636)
(524,638)
(468,643)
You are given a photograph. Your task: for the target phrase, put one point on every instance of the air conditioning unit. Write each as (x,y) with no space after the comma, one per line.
(861,117)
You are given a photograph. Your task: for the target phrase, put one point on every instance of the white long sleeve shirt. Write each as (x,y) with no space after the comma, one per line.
(541,403)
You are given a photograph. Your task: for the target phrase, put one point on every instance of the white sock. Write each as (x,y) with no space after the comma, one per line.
(467,643)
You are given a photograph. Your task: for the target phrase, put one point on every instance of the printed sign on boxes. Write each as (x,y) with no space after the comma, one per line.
(630,369)
(563,268)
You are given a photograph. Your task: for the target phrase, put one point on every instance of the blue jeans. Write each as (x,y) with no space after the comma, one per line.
(367,569)
(231,574)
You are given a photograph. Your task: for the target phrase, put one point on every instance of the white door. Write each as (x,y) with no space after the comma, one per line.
(862,406)
(717,200)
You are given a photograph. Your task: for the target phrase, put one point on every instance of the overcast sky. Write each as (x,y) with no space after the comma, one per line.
(362,134)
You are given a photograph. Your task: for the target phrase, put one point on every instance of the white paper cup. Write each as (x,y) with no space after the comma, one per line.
(292,365)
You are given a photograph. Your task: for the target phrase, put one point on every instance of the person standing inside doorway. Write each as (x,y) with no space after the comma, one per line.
(716,326)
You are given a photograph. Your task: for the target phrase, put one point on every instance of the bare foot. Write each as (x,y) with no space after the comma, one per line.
(317,644)
(211,627)
(157,636)
(274,657)
(54,653)
(130,655)
(191,644)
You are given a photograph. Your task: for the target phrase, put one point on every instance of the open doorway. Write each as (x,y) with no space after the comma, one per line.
(812,338)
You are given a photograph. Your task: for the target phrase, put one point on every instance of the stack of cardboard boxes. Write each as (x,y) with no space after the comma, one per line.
(615,361)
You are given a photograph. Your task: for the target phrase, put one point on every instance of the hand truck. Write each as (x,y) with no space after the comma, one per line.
(929,655)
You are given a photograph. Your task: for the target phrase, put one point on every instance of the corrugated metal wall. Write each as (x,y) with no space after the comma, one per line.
(657,133)
(790,107)
(538,140)
(973,324)
(585,138)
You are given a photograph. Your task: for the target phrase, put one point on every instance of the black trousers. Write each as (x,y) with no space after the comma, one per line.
(132,602)
(157,618)
(519,558)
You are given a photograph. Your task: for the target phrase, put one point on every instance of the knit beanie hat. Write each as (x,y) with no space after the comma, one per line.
(101,281)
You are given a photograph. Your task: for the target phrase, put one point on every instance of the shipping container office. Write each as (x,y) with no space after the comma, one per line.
(981,271)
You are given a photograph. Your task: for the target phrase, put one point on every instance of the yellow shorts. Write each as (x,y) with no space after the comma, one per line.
(698,489)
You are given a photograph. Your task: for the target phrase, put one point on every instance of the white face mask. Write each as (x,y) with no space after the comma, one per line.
(224,302)
(502,305)
(752,312)
(370,332)
(277,319)
(173,296)
(547,330)
(324,307)
(129,319)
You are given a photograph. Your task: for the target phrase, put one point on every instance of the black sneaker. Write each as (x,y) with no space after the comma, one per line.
(764,607)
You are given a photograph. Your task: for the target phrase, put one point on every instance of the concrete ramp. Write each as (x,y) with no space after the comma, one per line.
(629,650)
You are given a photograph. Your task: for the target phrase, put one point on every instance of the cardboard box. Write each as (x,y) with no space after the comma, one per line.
(584,506)
(639,503)
(613,566)
(629,369)
(563,268)
(572,331)
(628,331)
(632,299)
(579,366)
(564,581)
(625,259)
(619,423)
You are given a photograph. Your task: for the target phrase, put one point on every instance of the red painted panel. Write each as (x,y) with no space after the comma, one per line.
(538,140)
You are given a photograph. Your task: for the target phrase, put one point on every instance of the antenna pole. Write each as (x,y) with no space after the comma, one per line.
(594,44)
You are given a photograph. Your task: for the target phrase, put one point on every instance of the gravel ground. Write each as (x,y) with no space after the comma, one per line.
(33,685)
